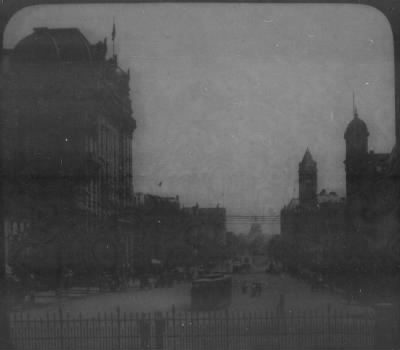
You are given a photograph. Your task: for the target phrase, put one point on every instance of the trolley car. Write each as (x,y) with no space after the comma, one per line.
(211,292)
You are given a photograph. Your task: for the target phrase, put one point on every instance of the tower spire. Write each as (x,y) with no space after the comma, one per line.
(308,180)
(307,158)
(113,33)
(355,112)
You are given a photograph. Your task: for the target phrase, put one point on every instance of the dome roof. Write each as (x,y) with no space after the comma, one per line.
(356,127)
(60,44)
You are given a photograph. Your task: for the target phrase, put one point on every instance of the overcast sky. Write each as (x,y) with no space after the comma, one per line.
(227,97)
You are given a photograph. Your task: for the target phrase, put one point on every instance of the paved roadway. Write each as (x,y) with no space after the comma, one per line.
(297,296)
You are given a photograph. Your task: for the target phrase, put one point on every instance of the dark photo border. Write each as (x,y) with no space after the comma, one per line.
(8,8)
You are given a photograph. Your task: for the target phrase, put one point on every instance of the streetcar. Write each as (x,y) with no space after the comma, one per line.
(212,291)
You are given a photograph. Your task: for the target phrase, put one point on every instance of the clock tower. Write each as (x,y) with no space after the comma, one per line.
(308,180)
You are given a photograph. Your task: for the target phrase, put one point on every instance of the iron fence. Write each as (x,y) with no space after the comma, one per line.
(194,331)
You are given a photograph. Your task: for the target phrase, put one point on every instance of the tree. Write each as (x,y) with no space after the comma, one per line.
(180,255)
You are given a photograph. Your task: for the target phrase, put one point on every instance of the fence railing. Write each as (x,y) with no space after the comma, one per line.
(193,330)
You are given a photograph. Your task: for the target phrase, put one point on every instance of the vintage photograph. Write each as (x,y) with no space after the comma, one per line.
(199,175)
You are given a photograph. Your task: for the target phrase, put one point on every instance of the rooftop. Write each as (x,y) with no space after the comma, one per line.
(59,44)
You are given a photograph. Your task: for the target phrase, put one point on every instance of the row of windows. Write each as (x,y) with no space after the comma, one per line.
(112,184)
(13,228)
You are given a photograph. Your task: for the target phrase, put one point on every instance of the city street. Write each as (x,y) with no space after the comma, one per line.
(146,146)
(297,296)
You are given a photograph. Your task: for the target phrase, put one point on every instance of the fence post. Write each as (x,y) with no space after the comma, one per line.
(227,328)
(5,327)
(69,330)
(60,317)
(118,328)
(173,328)
(385,332)
(80,327)
(29,328)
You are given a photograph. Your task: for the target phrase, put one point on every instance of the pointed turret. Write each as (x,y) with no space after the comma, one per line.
(113,34)
(355,112)
(356,137)
(308,160)
(308,180)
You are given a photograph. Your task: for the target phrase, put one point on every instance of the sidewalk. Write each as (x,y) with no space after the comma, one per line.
(46,298)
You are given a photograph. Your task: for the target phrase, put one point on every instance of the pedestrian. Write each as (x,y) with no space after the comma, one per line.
(144,332)
(159,324)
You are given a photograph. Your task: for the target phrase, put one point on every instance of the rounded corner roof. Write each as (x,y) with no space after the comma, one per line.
(60,44)
(356,125)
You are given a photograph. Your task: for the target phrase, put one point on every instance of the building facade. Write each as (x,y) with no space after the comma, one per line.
(67,148)
(206,223)
(158,227)
(313,216)
(368,216)
(162,230)
(372,189)
(308,181)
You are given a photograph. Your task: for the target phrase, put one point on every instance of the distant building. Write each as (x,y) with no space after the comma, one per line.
(154,203)
(312,216)
(208,223)
(67,150)
(308,181)
(160,226)
(255,231)
(371,208)
(154,225)
(372,188)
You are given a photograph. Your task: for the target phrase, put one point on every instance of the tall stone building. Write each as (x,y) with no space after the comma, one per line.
(67,146)
(356,137)
(372,189)
(312,216)
(308,180)
(370,214)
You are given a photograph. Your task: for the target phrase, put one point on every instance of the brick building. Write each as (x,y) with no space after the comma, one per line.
(373,190)
(155,225)
(209,223)
(312,216)
(161,228)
